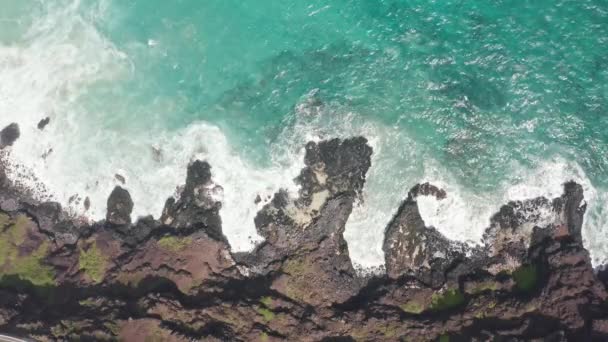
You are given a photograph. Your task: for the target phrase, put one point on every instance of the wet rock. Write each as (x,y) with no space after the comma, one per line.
(87,204)
(47,153)
(335,165)
(120,207)
(120,178)
(64,278)
(157,154)
(199,203)
(43,123)
(412,248)
(9,135)
(427,189)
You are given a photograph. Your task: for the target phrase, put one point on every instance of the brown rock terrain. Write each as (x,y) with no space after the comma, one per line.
(176,279)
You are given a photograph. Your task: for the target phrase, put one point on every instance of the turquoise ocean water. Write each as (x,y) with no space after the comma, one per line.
(494,100)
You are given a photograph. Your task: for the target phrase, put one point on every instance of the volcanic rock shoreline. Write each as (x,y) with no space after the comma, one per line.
(176,279)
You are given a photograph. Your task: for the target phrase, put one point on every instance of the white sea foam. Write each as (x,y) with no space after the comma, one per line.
(464,215)
(63,55)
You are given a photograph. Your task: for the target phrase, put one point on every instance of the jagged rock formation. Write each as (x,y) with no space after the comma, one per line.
(176,279)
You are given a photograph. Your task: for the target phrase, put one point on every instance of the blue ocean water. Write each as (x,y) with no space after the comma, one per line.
(493,100)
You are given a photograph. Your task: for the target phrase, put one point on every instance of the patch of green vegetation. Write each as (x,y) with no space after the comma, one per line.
(266,313)
(492,305)
(4,220)
(264,337)
(526,277)
(155,337)
(173,243)
(267,301)
(7,251)
(112,327)
(412,307)
(89,302)
(295,267)
(93,263)
(30,268)
(531,308)
(12,237)
(389,330)
(24,267)
(485,286)
(132,279)
(448,299)
(299,270)
(67,328)
(18,230)
(444,338)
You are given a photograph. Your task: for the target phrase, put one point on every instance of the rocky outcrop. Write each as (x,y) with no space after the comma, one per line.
(9,134)
(120,207)
(43,123)
(412,248)
(175,279)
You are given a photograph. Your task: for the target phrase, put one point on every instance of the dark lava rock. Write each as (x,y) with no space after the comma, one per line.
(120,178)
(66,279)
(412,248)
(43,123)
(9,135)
(87,203)
(336,165)
(120,207)
(198,205)
(427,189)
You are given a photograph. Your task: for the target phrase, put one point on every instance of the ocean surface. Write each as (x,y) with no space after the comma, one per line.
(492,100)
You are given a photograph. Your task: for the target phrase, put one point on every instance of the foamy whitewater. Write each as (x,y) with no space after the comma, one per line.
(61,60)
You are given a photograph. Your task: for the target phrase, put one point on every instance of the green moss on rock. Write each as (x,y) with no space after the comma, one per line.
(12,235)
(93,263)
(28,267)
(266,313)
(412,307)
(448,299)
(174,244)
(526,277)
(4,220)
(483,287)
(31,268)
(295,267)
(267,301)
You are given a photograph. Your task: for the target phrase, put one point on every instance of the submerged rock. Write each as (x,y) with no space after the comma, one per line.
(43,123)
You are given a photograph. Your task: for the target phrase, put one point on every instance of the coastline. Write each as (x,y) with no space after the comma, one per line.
(176,279)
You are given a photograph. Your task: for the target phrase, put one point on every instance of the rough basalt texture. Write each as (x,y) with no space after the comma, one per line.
(175,279)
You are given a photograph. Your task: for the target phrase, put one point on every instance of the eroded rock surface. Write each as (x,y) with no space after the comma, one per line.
(175,279)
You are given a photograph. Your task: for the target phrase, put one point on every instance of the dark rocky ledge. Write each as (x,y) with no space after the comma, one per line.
(175,279)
